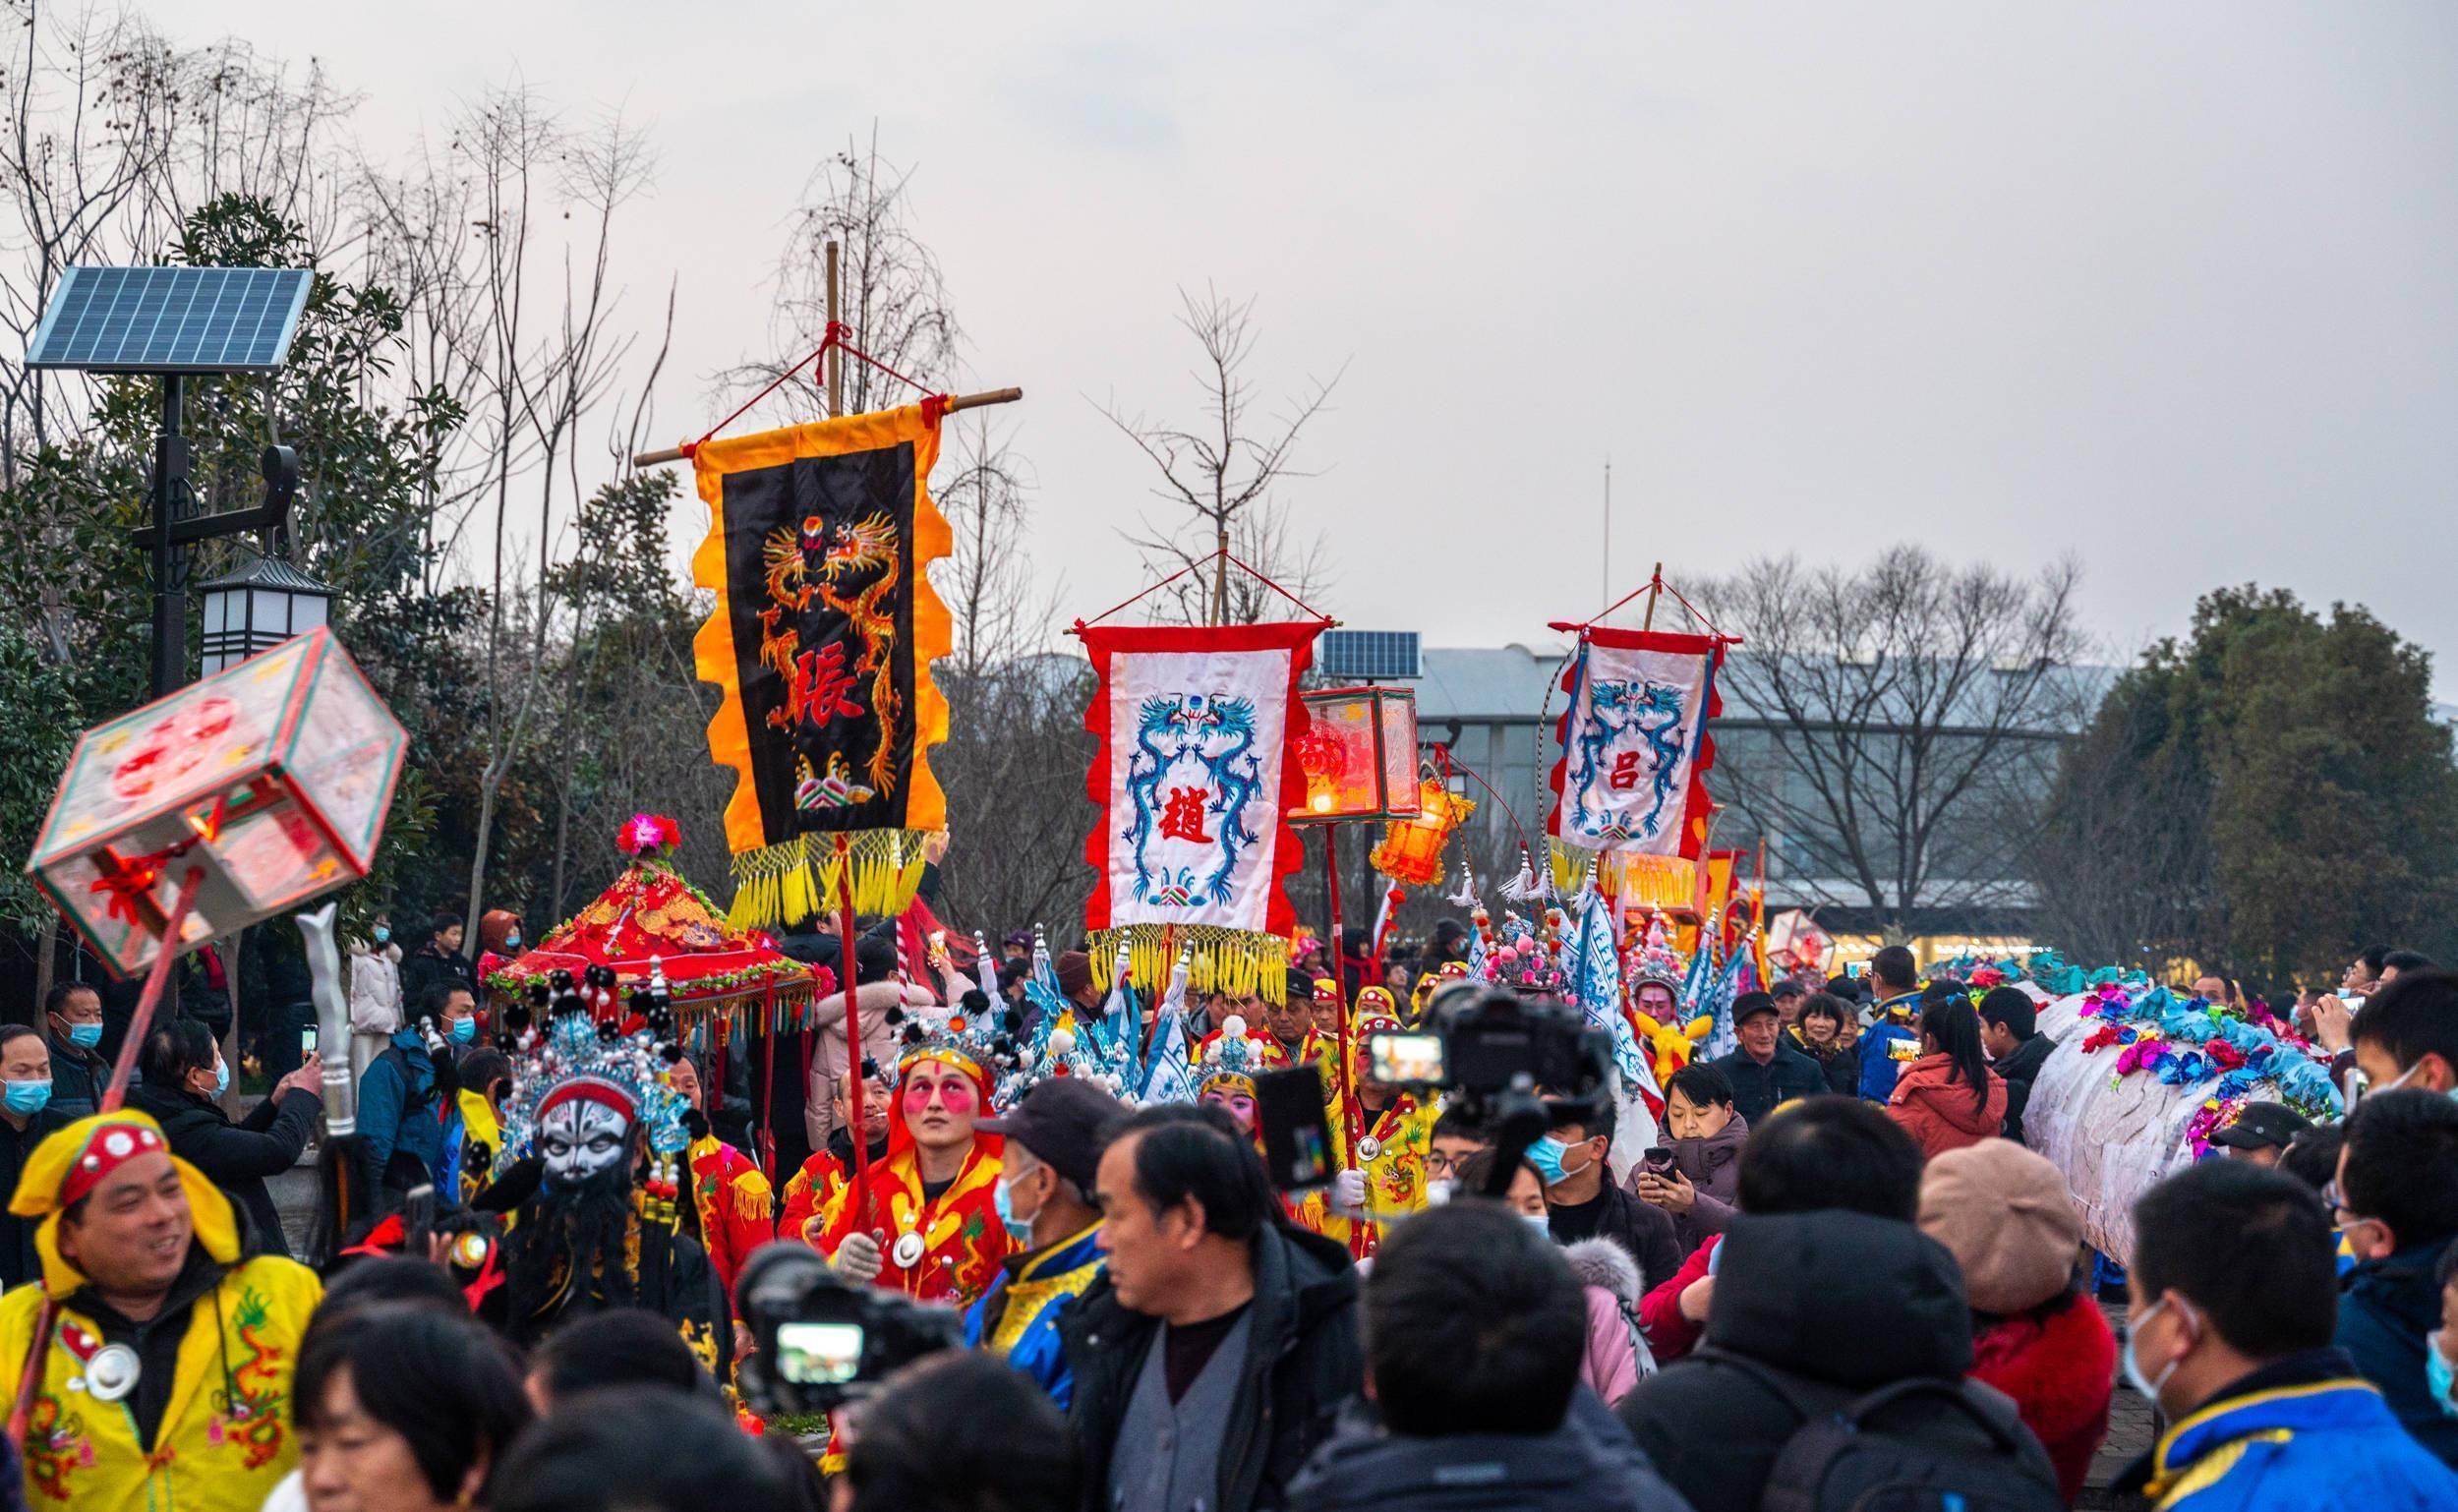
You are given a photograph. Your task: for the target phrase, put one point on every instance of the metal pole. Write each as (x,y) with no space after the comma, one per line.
(170,597)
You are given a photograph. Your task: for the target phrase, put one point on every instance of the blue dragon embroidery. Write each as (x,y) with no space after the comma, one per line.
(1217,734)
(1614,708)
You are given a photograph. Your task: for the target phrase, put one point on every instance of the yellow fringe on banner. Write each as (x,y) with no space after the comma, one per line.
(785,885)
(1232,961)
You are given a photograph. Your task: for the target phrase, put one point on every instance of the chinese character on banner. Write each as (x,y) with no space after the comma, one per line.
(1195,726)
(821,638)
(1635,747)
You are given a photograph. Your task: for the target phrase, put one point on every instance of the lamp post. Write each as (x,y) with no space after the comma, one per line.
(257,607)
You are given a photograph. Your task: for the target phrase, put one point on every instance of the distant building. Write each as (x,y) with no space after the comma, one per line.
(1497,709)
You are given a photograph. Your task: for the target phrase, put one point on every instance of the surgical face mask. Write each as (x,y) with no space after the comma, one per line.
(464,1031)
(221,1078)
(1543,1225)
(2437,1375)
(84,1036)
(2133,1369)
(384,934)
(27,1097)
(1018,1229)
(512,941)
(1546,1155)
(1440,1191)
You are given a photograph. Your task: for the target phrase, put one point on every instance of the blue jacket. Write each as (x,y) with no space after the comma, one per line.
(401,1116)
(2386,1308)
(1019,1312)
(2327,1445)
(1878,1069)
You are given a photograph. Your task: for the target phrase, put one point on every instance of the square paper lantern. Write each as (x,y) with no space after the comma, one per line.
(1358,755)
(272,776)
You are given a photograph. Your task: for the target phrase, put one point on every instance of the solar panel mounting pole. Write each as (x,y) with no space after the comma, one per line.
(169,560)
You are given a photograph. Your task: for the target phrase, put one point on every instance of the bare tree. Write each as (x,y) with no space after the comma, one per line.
(2122,861)
(1221,471)
(1917,710)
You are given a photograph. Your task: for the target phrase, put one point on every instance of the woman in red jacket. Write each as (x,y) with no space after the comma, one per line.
(1949,1098)
(2036,1334)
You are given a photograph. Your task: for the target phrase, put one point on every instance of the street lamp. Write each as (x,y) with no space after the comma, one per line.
(257,607)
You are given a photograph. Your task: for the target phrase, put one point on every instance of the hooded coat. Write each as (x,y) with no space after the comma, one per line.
(1839,1303)
(1586,1464)
(1939,1111)
(1303,1361)
(1617,1354)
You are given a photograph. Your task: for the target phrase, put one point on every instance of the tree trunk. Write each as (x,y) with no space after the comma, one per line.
(47,957)
(230,1036)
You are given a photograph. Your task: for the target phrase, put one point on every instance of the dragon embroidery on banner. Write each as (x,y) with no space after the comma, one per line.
(1217,736)
(1617,707)
(852,569)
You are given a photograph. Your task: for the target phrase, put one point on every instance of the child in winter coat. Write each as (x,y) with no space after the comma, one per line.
(1949,1098)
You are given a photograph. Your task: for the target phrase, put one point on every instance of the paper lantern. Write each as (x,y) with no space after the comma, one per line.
(1358,755)
(272,776)
(1410,852)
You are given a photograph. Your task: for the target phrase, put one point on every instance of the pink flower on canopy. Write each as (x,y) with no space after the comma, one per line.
(647,834)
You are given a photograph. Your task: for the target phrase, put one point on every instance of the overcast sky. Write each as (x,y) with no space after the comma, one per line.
(2173,286)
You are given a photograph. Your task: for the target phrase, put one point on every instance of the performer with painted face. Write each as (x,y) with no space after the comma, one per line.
(591,1108)
(925,1221)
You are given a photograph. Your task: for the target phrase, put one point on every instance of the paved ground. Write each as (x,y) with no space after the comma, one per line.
(2131,1429)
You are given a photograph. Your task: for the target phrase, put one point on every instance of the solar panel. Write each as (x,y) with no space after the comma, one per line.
(171,320)
(1368,654)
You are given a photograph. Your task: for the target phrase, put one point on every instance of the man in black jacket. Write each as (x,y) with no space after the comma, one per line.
(1475,1331)
(1582,1201)
(2017,1051)
(1211,1357)
(1766,1072)
(1833,1302)
(25,1117)
(438,961)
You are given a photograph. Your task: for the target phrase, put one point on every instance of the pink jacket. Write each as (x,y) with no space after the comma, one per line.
(1939,1112)
(871,1001)
(1616,1353)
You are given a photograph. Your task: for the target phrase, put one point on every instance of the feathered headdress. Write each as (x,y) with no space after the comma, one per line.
(1655,961)
(619,1062)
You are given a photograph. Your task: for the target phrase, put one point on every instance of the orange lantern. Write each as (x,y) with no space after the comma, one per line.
(1410,852)
(1358,755)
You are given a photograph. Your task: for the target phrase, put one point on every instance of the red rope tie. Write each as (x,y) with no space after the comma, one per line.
(934,406)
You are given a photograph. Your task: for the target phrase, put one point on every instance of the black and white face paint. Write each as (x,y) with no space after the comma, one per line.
(580,1138)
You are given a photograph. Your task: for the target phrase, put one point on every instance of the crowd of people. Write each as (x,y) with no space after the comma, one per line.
(1836,1268)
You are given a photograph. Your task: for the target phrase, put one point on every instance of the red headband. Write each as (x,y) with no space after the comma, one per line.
(590,1090)
(110,1148)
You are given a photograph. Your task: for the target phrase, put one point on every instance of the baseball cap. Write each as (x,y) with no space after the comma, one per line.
(1752,1004)
(2262,1125)
(1059,1123)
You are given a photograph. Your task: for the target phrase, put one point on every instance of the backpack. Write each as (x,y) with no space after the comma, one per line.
(1840,1459)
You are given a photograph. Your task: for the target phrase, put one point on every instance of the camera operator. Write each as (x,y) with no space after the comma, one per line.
(1209,1360)
(1475,1327)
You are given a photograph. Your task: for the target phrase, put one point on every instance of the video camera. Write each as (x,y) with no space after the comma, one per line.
(822,1341)
(1517,1065)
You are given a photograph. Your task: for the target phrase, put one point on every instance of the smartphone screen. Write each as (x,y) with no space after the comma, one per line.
(1398,1059)
(819,1353)
(1296,1136)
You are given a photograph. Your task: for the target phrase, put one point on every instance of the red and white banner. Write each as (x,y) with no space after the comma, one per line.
(1635,747)
(1193,774)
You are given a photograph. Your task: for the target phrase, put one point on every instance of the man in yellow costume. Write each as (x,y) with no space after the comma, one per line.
(165,1378)
(1384,1176)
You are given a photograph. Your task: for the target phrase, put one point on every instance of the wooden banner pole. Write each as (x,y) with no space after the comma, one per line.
(959,402)
(836,358)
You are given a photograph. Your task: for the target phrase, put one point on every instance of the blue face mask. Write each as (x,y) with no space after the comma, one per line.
(1546,1156)
(221,1078)
(27,1097)
(384,934)
(2437,1375)
(512,941)
(84,1036)
(1543,1225)
(464,1031)
(1020,1230)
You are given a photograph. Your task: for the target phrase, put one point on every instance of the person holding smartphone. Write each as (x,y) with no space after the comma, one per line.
(1695,1175)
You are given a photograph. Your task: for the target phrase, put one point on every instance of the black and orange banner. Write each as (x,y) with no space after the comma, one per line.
(825,625)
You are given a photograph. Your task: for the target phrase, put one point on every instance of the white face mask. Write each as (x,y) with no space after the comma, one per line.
(579,1139)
